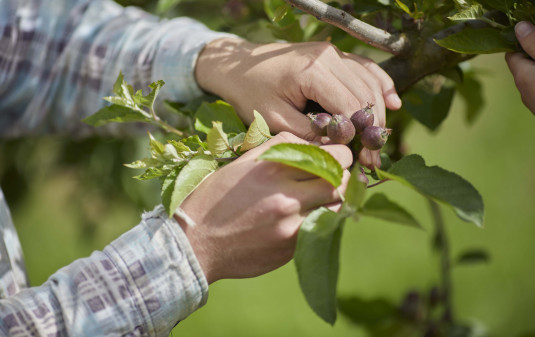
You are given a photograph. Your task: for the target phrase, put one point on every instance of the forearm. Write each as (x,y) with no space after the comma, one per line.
(60,59)
(145,281)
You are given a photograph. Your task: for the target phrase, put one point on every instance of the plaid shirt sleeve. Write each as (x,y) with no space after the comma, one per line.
(142,284)
(59,58)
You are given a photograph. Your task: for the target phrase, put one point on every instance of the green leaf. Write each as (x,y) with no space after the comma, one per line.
(149,99)
(195,143)
(427,107)
(156,148)
(477,41)
(472,93)
(257,134)
(369,313)
(502,5)
(317,259)
(281,12)
(114,113)
(237,141)
(144,163)
(218,111)
(180,147)
(404,7)
(439,184)
(217,140)
(355,192)
(291,32)
(151,173)
(473,12)
(309,158)
(473,256)
(178,185)
(379,206)
(165,5)
(120,88)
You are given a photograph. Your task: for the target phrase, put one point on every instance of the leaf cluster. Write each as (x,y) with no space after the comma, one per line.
(182,164)
(318,245)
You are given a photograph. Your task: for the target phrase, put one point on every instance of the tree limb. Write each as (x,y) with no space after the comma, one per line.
(381,39)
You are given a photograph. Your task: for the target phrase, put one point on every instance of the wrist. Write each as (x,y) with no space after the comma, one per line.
(188,226)
(216,61)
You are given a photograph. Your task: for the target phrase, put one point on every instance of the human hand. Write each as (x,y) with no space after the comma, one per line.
(278,79)
(522,66)
(248,213)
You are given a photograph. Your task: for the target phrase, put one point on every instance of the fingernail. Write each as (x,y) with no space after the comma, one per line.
(395,99)
(523,29)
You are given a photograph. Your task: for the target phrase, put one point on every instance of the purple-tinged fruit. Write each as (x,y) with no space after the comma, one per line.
(374,137)
(340,130)
(319,122)
(363,118)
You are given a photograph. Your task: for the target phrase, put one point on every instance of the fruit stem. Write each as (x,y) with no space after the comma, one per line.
(378,183)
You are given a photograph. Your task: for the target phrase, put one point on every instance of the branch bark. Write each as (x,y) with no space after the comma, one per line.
(381,39)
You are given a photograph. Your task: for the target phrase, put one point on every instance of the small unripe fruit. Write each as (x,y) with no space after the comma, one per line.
(340,130)
(319,122)
(363,118)
(374,137)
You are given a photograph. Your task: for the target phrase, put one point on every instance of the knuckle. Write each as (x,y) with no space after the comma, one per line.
(289,137)
(281,206)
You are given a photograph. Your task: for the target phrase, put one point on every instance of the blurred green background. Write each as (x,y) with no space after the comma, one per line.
(71,197)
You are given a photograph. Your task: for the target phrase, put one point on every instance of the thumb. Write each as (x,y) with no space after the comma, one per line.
(525,33)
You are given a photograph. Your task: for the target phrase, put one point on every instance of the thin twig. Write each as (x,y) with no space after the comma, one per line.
(378,183)
(381,39)
(445,265)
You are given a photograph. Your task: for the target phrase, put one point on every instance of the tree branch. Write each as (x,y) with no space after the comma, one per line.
(381,39)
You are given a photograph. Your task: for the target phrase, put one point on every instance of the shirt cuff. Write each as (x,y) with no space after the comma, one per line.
(177,55)
(162,271)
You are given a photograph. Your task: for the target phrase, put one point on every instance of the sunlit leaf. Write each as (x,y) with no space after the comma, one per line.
(195,143)
(309,158)
(281,12)
(180,183)
(257,134)
(115,113)
(217,139)
(438,184)
(237,141)
(470,13)
(151,173)
(317,259)
(218,111)
(156,148)
(404,7)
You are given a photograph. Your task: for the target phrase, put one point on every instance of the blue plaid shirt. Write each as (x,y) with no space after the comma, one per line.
(58,58)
